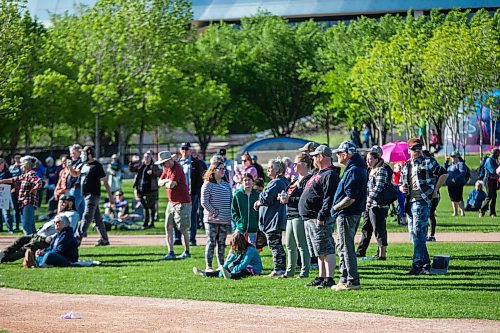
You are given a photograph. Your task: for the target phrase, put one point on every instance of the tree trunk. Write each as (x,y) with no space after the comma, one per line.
(97,141)
(141,138)
(122,143)
(327,128)
(27,140)
(14,140)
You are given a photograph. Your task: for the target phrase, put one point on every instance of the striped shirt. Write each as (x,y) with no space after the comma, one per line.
(216,202)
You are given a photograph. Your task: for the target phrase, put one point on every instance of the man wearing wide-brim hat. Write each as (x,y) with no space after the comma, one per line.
(421,178)
(178,210)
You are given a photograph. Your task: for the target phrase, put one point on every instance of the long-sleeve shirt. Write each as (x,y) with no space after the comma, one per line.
(251,258)
(29,184)
(317,197)
(216,201)
(376,183)
(476,198)
(272,213)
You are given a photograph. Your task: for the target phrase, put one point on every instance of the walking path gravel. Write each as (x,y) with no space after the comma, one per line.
(27,311)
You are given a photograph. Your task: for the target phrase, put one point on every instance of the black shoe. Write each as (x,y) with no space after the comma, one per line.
(380,258)
(102,243)
(192,243)
(360,255)
(419,270)
(177,242)
(316,282)
(326,283)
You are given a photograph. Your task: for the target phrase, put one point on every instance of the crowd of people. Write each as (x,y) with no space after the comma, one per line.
(307,197)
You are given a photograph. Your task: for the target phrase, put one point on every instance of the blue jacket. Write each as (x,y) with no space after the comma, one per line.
(476,198)
(353,185)
(456,174)
(250,258)
(272,213)
(490,166)
(64,243)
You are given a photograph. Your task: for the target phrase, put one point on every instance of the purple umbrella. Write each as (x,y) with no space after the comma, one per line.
(395,151)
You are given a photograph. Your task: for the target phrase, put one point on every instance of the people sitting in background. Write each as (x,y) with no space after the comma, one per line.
(119,215)
(243,260)
(476,198)
(62,251)
(41,239)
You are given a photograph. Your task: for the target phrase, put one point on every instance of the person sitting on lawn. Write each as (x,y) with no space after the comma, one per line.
(476,198)
(63,249)
(243,260)
(41,239)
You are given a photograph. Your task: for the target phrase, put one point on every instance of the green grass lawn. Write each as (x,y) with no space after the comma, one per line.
(470,290)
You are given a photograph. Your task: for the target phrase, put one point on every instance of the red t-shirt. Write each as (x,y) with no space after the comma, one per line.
(180,193)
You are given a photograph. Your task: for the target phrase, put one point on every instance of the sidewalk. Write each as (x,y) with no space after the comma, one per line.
(393,237)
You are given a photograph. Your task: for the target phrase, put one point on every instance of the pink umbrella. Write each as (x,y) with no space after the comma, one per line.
(395,151)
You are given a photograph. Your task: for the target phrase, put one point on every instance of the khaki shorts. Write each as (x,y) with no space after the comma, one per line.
(178,215)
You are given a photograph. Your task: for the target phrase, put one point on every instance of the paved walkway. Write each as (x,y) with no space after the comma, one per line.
(393,237)
(27,311)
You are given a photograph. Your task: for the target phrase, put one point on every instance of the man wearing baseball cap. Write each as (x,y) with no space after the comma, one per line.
(348,205)
(421,178)
(309,147)
(314,207)
(178,212)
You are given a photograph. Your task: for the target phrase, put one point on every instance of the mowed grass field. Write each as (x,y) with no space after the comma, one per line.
(471,289)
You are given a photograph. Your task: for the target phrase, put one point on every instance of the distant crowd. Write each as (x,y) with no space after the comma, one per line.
(306,197)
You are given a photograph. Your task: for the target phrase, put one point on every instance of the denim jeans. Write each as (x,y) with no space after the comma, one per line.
(53,259)
(91,213)
(7,218)
(195,201)
(28,219)
(79,201)
(17,211)
(418,222)
(346,230)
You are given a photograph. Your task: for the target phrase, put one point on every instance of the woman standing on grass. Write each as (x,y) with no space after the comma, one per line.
(456,181)
(375,216)
(216,195)
(272,213)
(295,232)
(243,260)
(243,215)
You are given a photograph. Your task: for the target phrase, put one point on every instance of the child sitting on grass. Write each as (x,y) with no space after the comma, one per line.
(243,260)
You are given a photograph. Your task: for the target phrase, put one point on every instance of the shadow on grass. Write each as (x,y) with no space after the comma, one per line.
(100,255)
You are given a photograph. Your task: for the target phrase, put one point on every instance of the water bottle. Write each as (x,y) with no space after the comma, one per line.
(283,195)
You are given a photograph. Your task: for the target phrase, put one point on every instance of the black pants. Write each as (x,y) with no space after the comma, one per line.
(432,215)
(148,202)
(491,199)
(17,249)
(374,220)
(234,276)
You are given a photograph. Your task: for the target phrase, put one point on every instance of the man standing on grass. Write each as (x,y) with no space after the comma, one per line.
(91,175)
(348,205)
(421,178)
(178,210)
(314,207)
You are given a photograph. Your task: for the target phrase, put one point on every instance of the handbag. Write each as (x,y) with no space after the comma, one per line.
(387,196)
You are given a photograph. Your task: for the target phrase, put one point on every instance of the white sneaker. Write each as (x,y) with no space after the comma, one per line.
(198,272)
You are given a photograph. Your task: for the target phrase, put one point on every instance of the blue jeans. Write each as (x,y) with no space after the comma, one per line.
(28,219)
(7,218)
(195,201)
(79,202)
(418,223)
(17,211)
(53,259)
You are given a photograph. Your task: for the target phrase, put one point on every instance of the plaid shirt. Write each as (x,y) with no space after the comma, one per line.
(27,182)
(376,184)
(428,172)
